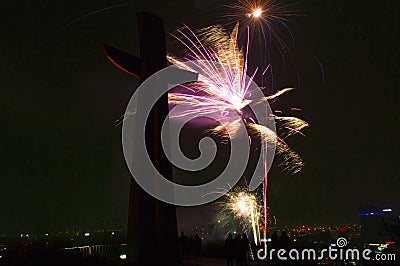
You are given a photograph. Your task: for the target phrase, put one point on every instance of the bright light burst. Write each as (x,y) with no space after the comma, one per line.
(241,205)
(257,13)
(266,18)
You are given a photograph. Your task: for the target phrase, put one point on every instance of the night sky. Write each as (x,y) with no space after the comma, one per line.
(60,149)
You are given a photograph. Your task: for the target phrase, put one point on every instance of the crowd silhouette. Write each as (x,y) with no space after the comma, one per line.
(282,241)
(190,247)
(237,249)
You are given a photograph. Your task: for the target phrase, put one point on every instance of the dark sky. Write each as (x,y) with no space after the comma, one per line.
(61,157)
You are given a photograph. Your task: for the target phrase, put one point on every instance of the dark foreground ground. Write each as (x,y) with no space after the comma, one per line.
(46,257)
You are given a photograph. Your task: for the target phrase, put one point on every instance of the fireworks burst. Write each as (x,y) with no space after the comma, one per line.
(223,89)
(241,205)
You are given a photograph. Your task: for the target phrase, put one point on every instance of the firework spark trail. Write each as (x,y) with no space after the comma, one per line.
(223,87)
(264,147)
(290,160)
(293,124)
(101,10)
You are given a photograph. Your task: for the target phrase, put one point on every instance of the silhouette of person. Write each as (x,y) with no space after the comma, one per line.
(275,240)
(284,240)
(238,247)
(229,250)
(191,246)
(245,249)
(183,245)
(197,246)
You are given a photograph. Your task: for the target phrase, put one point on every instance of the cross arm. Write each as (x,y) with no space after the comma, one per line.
(124,61)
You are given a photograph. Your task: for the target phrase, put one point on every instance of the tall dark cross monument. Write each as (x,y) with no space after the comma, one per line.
(152,225)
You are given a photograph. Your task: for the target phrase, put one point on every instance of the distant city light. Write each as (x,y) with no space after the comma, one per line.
(46,234)
(112,233)
(1,256)
(375,213)
(122,257)
(87,234)
(370,213)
